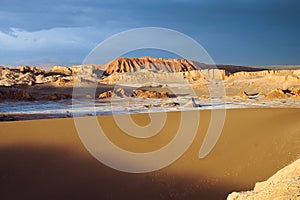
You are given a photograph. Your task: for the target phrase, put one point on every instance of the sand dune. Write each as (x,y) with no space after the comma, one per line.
(45,159)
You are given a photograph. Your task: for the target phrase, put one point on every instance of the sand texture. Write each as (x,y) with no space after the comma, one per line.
(45,159)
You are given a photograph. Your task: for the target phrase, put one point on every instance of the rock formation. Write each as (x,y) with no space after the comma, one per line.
(280,93)
(58,75)
(285,184)
(60,70)
(122,65)
(149,94)
(120,92)
(245,95)
(107,94)
(33,70)
(156,70)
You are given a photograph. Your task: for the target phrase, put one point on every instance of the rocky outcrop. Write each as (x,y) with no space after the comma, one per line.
(122,65)
(245,95)
(285,184)
(280,93)
(147,70)
(134,69)
(10,77)
(277,93)
(279,76)
(34,70)
(107,94)
(149,94)
(60,70)
(57,76)
(120,92)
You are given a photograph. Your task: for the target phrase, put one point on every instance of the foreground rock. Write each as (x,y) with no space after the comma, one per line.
(56,76)
(285,184)
(120,92)
(279,93)
(107,94)
(149,94)
(245,95)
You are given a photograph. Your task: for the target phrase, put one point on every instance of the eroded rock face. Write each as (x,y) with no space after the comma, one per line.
(9,77)
(280,93)
(149,94)
(33,70)
(152,70)
(58,75)
(120,92)
(107,94)
(122,65)
(61,70)
(285,184)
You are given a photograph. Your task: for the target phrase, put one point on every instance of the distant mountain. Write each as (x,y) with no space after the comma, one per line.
(122,65)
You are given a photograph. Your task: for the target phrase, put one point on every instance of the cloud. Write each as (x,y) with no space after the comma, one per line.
(19,39)
(243,31)
(64,44)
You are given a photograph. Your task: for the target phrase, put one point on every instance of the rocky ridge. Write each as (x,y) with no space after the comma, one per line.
(155,71)
(141,69)
(123,65)
(57,75)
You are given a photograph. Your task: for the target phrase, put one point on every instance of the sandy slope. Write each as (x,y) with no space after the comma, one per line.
(45,159)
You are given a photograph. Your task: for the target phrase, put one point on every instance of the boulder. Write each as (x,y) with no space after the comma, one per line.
(107,94)
(149,94)
(119,92)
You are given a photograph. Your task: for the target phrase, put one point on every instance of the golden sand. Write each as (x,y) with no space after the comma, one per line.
(45,159)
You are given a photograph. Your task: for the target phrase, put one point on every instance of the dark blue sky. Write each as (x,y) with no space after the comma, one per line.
(248,32)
